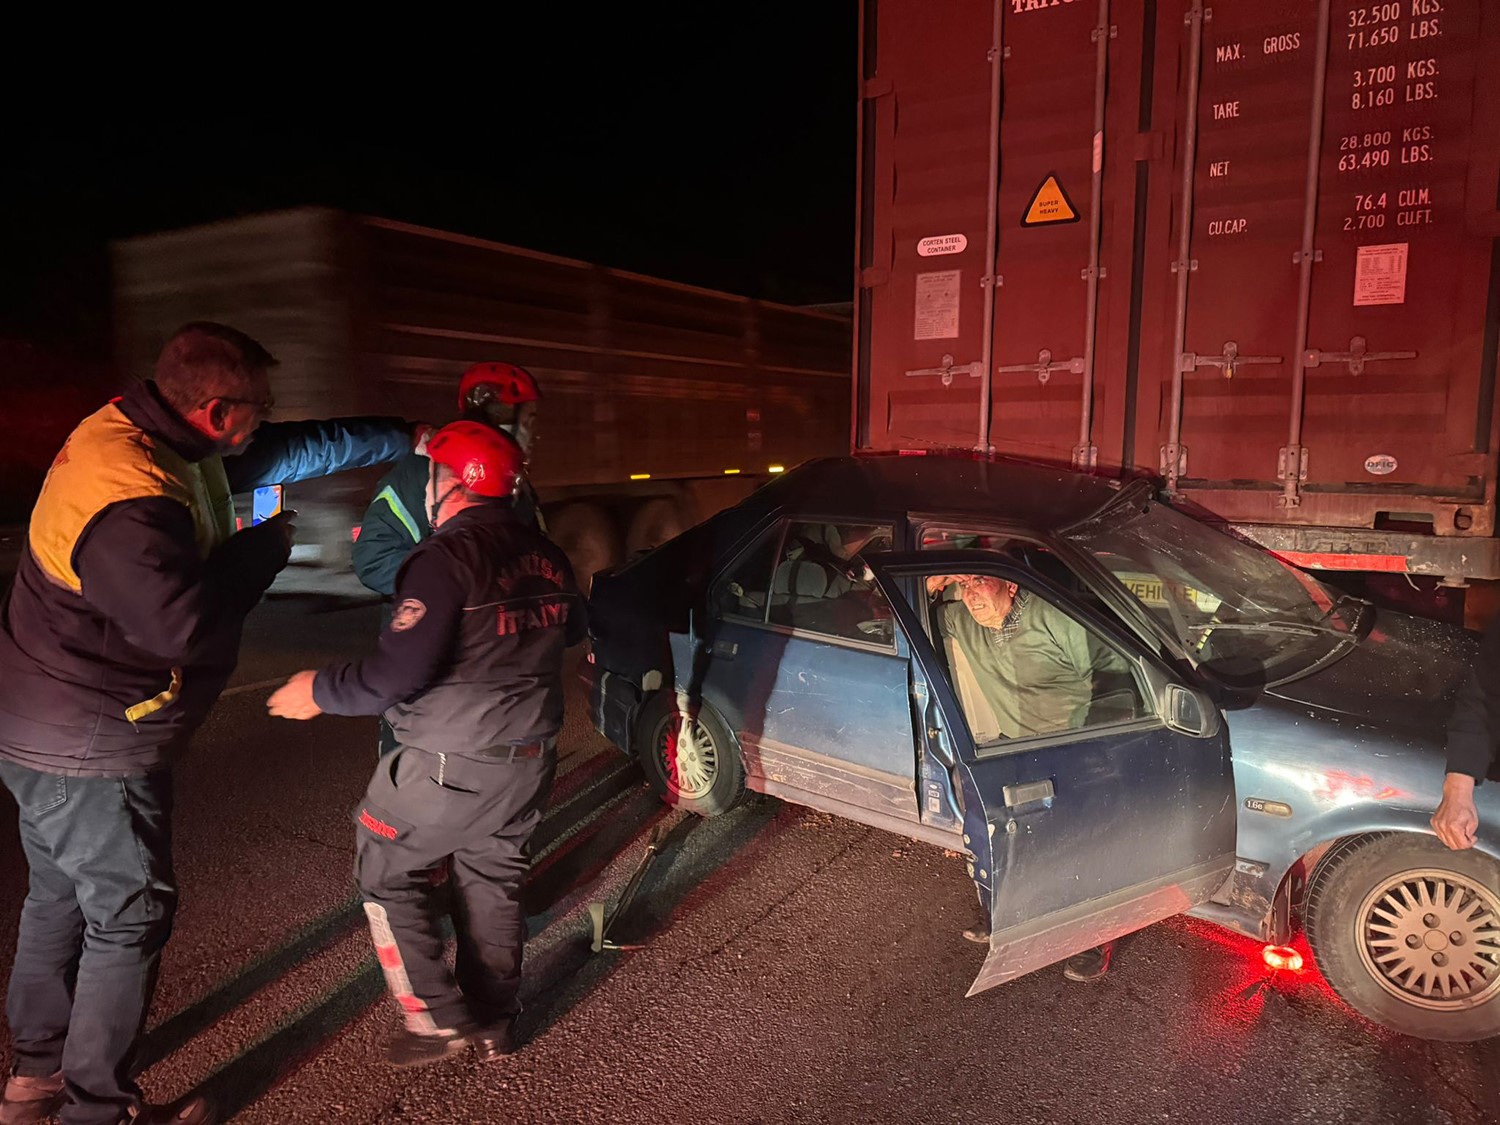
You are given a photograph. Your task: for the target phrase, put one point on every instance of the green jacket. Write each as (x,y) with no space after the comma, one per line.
(1037,671)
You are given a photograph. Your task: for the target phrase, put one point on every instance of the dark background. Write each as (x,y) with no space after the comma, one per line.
(706,143)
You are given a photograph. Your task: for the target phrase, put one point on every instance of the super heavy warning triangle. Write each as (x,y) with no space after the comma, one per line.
(1049,205)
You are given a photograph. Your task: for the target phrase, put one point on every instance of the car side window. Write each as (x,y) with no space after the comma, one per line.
(818,587)
(744,589)
(1023,668)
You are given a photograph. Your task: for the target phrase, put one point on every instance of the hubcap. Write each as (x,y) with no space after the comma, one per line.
(1432,938)
(692,763)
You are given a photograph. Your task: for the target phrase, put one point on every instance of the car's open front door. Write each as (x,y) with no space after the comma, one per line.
(1102,825)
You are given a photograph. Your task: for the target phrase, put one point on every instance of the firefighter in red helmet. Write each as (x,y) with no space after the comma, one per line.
(498,395)
(469,674)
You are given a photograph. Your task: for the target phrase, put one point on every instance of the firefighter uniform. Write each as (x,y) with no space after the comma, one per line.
(469,675)
(395,523)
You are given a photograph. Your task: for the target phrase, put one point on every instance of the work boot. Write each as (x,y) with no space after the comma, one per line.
(1090,965)
(409,1048)
(495,1041)
(30,1099)
(189,1111)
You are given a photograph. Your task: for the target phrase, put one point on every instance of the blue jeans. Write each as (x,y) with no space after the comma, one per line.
(99,910)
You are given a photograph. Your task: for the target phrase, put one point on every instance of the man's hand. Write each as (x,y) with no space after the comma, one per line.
(939,582)
(280,529)
(1457,820)
(294,699)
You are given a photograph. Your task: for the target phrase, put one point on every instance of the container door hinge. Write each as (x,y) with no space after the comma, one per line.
(948,370)
(1229,359)
(1291,463)
(1171,453)
(1044,366)
(1356,357)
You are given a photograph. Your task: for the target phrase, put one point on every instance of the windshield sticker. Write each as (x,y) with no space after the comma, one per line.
(1152,591)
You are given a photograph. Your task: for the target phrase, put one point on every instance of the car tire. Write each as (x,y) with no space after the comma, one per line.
(1381,915)
(714,782)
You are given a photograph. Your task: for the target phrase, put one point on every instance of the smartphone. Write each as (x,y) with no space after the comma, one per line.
(267,503)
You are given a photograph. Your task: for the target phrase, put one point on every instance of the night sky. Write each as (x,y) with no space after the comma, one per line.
(703,143)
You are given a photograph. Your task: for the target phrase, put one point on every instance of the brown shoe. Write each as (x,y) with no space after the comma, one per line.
(189,1111)
(29,1100)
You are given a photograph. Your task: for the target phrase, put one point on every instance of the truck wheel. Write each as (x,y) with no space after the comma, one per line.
(587,536)
(1408,933)
(707,778)
(654,523)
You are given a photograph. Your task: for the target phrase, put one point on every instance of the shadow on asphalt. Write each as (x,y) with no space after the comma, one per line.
(565,975)
(178,1030)
(585,854)
(581,854)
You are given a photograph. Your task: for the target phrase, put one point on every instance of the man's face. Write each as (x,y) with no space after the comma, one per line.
(524,431)
(232,422)
(988,599)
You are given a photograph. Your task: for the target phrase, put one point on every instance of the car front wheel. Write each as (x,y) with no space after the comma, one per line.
(1408,933)
(702,773)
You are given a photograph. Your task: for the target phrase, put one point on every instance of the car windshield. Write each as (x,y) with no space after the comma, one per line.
(1238,611)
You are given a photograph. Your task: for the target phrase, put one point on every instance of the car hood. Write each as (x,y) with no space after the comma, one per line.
(1402,676)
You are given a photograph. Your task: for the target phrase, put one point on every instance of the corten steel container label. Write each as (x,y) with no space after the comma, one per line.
(1398,361)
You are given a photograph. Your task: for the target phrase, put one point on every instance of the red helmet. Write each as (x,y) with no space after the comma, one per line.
(503,382)
(487,461)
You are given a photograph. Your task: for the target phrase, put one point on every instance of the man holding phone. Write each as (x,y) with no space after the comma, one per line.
(120,630)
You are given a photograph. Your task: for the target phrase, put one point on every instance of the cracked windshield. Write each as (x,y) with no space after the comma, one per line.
(1238,611)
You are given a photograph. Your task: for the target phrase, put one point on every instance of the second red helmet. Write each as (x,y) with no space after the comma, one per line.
(503,382)
(487,461)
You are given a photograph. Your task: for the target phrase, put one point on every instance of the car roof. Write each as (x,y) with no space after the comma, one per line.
(877,486)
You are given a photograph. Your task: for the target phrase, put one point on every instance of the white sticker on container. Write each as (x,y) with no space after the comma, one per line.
(1098,152)
(937,305)
(1382,464)
(1380,275)
(939,244)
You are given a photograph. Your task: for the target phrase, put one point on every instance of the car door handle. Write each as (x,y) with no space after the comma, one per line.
(726,649)
(1028,792)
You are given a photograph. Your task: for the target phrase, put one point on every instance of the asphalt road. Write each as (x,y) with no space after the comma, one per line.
(794,968)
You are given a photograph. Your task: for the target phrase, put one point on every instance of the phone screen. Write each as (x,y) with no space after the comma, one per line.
(267,503)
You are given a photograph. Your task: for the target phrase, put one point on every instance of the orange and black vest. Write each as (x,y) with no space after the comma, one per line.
(75,696)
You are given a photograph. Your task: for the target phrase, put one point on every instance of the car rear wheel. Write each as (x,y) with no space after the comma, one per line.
(1408,933)
(702,774)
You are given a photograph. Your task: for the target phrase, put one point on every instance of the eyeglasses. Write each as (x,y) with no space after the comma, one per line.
(262,408)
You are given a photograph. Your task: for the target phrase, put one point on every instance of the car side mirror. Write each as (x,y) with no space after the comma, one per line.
(1190,712)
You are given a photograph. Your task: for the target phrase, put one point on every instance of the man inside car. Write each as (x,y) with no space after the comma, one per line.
(1022,668)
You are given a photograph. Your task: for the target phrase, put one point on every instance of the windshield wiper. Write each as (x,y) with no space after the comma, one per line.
(1298,628)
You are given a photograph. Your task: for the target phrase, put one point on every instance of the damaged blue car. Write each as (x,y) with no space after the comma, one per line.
(1118,712)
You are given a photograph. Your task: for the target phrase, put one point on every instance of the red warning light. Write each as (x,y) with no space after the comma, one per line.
(1280,957)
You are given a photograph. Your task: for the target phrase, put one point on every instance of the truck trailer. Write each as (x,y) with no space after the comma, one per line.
(1246,246)
(662,402)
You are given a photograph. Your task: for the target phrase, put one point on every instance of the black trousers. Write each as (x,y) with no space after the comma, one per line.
(99,909)
(479,814)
